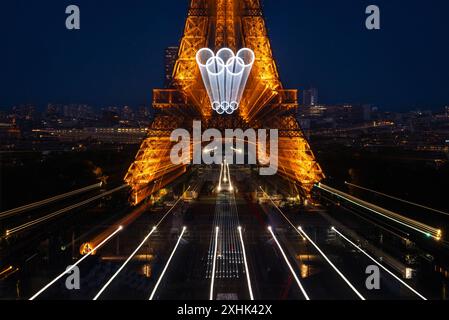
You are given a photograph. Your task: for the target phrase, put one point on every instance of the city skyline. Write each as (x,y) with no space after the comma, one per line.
(116,57)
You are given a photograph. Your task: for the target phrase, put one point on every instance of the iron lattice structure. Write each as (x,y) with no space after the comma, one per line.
(265,104)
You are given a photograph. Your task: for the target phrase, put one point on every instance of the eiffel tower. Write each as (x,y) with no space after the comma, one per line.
(265,104)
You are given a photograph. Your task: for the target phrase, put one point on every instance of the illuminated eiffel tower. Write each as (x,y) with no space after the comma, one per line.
(265,104)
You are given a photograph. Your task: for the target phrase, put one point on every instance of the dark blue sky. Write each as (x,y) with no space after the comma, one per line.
(117,56)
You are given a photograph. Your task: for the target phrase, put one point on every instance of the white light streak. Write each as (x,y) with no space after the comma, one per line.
(168,263)
(332,265)
(221,175)
(428,231)
(231,188)
(214,263)
(124,264)
(380,265)
(248,279)
(60,212)
(288,264)
(77,263)
(38,204)
(398,199)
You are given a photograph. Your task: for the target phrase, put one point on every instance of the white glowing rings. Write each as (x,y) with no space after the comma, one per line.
(225,75)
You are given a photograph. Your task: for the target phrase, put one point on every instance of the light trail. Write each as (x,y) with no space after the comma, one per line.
(225,175)
(306,237)
(168,263)
(380,265)
(32,223)
(420,227)
(231,188)
(248,279)
(332,265)
(6,270)
(214,263)
(398,199)
(282,213)
(124,264)
(138,248)
(288,264)
(172,208)
(9,213)
(221,175)
(77,263)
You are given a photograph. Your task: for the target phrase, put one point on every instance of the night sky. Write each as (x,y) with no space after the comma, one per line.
(117,56)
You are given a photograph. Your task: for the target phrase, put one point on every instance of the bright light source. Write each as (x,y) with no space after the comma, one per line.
(240,151)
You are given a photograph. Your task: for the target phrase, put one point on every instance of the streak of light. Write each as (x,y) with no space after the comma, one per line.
(221,175)
(248,279)
(77,263)
(332,265)
(124,264)
(41,203)
(282,213)
(60,212)
(214,264)
(136,213)
(380,265)
(225,175)
(236,150)
(167,264)
(427,230)
(288,264)
(231,188)
(398,199)
(210,150)
(391,229)
(171,209)
(6,270)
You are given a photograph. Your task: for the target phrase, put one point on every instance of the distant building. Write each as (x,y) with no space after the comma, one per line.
(170,57)
(127,113)
(53,110)
(103,135)
(447,111)
(310,97)
(24,112)
(143,114)
(78,111)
